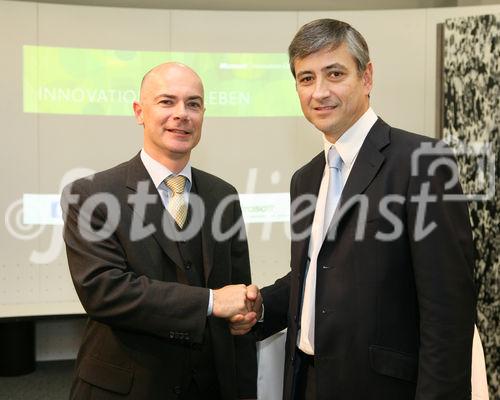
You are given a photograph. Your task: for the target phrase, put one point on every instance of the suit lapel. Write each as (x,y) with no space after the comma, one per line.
(368,162)
(154,213)
(309,184)
(210,201)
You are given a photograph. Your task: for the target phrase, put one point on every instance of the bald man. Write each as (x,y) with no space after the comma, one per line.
(156,268)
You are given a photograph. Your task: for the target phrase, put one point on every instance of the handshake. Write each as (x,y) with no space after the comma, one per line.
(241,305)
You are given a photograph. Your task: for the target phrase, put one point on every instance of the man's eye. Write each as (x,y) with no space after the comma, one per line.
(306,79)
(336,74)
(166,102)
(194,105)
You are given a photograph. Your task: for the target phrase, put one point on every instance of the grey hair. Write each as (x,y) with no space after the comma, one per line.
(328,33)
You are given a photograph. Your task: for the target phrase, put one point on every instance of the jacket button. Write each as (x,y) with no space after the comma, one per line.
(188,265)
(323,311)
(177,389)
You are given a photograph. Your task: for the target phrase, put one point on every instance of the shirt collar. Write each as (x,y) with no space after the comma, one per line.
(349,144)
(159,172)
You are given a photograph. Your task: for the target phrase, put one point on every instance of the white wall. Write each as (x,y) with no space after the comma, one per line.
(403,48)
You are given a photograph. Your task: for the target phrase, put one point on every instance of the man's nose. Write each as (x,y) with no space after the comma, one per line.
(180,111)
(321,89)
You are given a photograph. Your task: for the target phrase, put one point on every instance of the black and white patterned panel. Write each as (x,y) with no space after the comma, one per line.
(471,120)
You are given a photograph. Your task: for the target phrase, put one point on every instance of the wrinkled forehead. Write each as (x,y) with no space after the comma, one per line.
(172,78)
(325,58)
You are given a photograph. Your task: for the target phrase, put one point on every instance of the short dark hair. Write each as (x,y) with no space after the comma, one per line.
(328,33)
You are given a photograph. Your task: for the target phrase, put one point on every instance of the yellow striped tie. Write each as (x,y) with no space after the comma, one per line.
(177,206)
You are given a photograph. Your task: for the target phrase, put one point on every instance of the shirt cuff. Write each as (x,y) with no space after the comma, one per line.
(210,302)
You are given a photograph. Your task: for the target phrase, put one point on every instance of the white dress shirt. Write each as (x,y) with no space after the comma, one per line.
(158,173)
(348,146)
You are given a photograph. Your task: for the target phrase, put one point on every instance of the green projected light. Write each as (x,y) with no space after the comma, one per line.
(61,80)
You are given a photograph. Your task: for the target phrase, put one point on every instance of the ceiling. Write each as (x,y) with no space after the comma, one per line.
(276,5)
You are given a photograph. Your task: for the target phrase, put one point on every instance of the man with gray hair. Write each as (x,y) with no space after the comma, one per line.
(380,300)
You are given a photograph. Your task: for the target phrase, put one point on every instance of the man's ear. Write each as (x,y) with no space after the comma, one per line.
(368,77)
(138,113)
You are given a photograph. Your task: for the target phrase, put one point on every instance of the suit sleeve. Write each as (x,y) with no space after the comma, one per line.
(115,294)
(443,268)
(276,299)
(245,348)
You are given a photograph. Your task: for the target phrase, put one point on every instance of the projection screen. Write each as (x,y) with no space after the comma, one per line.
(70,74)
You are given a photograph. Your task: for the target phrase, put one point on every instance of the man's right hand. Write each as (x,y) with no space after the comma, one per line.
(231,300)
(241,324)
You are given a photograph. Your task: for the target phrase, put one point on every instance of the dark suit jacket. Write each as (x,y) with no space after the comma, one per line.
(394,319)
(142,321)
